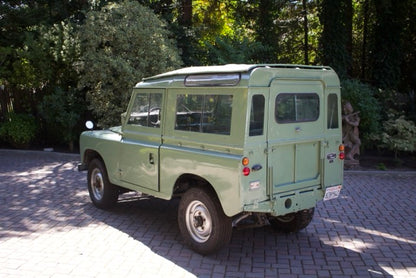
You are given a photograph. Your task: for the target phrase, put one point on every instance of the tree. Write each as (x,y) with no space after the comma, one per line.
(121,44)
(298,29)
(387,48)
(335,42)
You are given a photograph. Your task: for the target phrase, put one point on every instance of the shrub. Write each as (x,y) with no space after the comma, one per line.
(121,44)
(19,130)
(362,98)
(61,112)
(398,135)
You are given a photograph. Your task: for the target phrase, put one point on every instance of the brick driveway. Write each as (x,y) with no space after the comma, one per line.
(49,228)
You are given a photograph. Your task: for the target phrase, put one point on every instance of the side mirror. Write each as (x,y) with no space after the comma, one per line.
(89,124)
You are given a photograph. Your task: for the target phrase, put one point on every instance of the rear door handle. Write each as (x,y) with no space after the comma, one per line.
(151,159)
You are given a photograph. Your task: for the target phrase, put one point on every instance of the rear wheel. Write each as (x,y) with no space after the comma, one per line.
(103,194)
(202,222)
(292,222)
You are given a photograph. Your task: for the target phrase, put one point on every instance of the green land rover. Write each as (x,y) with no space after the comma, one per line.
(240,145)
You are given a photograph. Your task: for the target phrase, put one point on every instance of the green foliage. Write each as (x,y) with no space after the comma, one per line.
(212,19)
(292,34)
(61,112)
(362,98)
(19,130)
(386,51)
(334,39)
(121,44)
(399,135)
(381,166)
(232,51)
(47,46)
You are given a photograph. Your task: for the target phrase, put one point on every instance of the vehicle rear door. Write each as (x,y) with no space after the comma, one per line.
(295,135)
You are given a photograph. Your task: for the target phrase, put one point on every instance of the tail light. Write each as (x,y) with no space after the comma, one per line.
(341,149)
(246,170)
(245,161)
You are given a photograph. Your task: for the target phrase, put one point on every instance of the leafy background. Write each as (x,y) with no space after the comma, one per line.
(63,62)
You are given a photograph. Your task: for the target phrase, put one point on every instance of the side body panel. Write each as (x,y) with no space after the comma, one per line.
(215,158)
(107,144)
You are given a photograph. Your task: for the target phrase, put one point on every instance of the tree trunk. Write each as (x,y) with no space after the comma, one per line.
(364,45)
(186,13)
(305,32)
(348,12)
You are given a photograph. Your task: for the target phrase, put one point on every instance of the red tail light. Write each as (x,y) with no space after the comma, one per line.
(245,161)
(341,149)
(246,171)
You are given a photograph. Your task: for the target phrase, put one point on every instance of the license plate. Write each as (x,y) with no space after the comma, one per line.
(332,192)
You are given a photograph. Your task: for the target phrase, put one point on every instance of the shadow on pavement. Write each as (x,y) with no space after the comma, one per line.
(368,232)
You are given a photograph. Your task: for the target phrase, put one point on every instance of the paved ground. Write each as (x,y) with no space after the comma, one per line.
(49,228)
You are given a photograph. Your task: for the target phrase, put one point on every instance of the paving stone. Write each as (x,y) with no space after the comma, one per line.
(49,228)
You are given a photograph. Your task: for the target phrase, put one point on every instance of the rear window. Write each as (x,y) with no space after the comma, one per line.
(298,107)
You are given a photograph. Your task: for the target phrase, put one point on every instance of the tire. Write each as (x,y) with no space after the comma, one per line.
(202,222)
(103,194)
(292,222)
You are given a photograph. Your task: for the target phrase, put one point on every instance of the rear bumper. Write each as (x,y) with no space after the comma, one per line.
(288,202)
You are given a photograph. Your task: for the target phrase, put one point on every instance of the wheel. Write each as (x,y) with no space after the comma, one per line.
(292,222)
(103,194)
(202,222)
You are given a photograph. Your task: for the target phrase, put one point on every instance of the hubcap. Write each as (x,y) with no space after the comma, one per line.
(97,184)
(198,221)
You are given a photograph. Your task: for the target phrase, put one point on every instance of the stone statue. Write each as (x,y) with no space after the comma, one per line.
(350,132)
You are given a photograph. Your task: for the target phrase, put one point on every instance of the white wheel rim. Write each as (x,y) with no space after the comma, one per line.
(97,184)
(198,221)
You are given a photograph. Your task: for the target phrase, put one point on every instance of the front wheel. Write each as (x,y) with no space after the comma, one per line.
(202,222)
(292,222)
(103,194)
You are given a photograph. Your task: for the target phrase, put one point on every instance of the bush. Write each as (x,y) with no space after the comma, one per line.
(61,112)
(19,130)
(398,135)
(121,44)
(362,98)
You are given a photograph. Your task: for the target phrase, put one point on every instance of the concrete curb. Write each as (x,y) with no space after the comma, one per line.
(376,172)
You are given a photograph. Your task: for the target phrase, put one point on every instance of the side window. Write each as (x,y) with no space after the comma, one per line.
(204,113)
(146,110)
(300,107)
(332,121)
(257,115)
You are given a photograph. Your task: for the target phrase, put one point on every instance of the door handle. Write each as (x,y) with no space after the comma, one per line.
(151,159)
